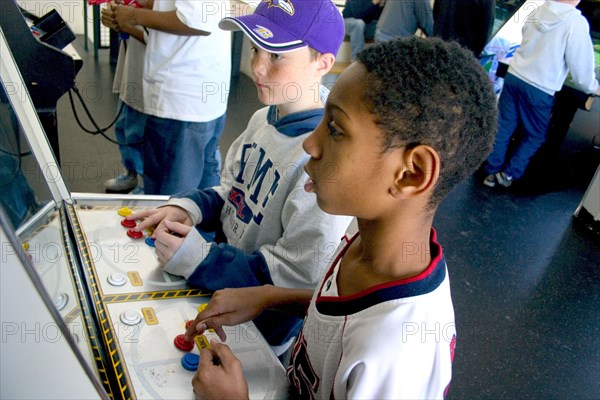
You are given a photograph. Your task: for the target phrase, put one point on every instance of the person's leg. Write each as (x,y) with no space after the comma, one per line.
(370,31)
(129,135)
(508,120)
(134,135)
(212,154)
(120,132)
(381,37)
(355,29)
(17,199)
(535,116)
(174,154)
(134,132)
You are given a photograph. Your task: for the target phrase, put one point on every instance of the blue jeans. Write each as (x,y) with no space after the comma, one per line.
(17,198)
(357,30)
(129,129)
(520,104)
(180,155)
(381,37)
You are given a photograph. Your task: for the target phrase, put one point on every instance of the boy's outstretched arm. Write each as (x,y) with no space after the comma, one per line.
(229,307)
(219,380)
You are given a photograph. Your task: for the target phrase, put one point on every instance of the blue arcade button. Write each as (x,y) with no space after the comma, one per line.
(190,361)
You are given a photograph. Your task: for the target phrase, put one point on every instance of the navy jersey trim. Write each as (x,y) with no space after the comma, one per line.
(426,282)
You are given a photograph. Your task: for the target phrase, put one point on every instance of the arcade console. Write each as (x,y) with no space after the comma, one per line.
(114,318)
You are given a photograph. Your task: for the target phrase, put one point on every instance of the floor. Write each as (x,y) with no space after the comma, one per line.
(525,277)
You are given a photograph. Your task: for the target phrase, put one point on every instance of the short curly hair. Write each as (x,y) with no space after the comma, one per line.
(435,93)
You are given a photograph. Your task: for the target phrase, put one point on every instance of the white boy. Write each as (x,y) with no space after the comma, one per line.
(268,230)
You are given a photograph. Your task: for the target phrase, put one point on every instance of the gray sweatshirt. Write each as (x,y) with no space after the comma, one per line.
(556,41)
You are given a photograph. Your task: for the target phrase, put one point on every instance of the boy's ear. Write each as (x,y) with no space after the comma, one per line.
(325,63)
(418,174)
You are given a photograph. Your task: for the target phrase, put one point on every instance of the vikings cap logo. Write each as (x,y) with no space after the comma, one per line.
(284,5)
(263,32)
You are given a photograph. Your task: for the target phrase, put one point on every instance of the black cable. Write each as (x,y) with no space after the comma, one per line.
(87,111)
(27,153)
(98,130)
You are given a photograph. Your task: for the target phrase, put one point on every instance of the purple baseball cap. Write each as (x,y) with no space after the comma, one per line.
(278,26)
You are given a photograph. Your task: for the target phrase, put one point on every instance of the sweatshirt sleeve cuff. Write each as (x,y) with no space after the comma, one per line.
(188,257)
(188,205)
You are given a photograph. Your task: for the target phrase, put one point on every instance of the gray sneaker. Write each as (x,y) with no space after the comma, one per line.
(123,182)
(139,189)
(504,179)
(490,181)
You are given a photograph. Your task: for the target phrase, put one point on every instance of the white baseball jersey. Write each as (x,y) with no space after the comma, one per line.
(392,341)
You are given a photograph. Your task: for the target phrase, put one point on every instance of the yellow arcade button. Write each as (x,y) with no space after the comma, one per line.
(125,211)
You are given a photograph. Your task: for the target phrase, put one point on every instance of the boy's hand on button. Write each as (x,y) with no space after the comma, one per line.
(219,375)
(157,216)
(229,307)
(169,239)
